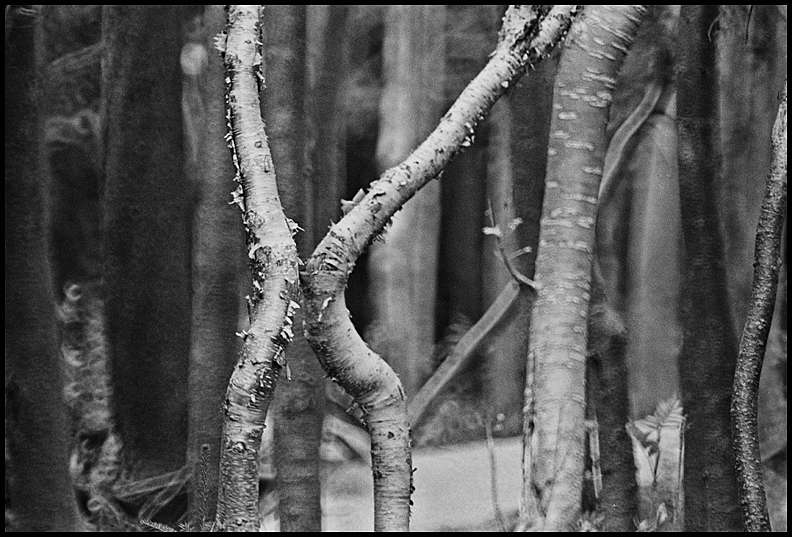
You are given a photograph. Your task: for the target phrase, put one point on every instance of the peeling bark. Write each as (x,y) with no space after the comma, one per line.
(216,275)
(38,484)
(273,265)
(297,406)
(555,403)
(745,393)
(524,40)
(709,346)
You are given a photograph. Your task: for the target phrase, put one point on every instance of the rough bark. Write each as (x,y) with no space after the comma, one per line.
(297,406)
(146,234)
(745,393)
(216,271)
(273,266)
(38,484)
(554,411)
(524,40)
(709,346)
(403,269)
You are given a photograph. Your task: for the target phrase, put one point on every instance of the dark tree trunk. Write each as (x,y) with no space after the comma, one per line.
(298,404)
(146,234)
(216,271)
(38,484)
(709,345)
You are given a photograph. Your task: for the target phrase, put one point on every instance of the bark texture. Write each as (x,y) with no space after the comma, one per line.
(216,271)
(554,412)
(709,345)
(38,484)
(297,405)
(403,269)
(146,234)
(272,258)
(745,393)
(524,40)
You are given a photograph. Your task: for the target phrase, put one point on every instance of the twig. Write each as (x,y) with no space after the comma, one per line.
(493,476)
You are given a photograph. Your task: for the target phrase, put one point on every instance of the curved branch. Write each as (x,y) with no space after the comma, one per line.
(273,264)
(525,38)
(745,392)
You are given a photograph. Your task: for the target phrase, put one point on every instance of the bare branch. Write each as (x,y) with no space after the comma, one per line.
(745,392)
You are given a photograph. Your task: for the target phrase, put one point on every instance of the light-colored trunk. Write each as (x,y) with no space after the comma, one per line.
(556,366)
(272,258)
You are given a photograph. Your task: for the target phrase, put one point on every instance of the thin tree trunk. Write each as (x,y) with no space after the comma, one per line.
(745,394)
(709,346)
(273,265)
(554,413)
(38,484)
(403,270)
(297,405)
(216,273)
(146,234)
(524,38)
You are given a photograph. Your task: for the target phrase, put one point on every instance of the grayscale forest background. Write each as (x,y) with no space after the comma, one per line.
(128,269)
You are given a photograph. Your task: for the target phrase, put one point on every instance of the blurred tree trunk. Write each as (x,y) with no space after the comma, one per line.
(556,368)
(216,270)
(709,344)
(38,483)
(470,34)
(519,128)
(298,403)
(403,270)
(146,234)
(634,332)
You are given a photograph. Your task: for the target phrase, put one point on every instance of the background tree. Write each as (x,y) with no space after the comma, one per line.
(709,345)
(38,483)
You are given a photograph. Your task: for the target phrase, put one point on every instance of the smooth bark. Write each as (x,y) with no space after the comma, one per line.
(403,269)
(556,364)
(38,483)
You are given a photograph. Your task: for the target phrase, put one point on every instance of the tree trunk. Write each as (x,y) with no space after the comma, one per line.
(745,395)
(273,265)
(38,484)
(525,38)
(217,240)
(298,403)
(146,234)
(403,270)
(709,346)
(554,413)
